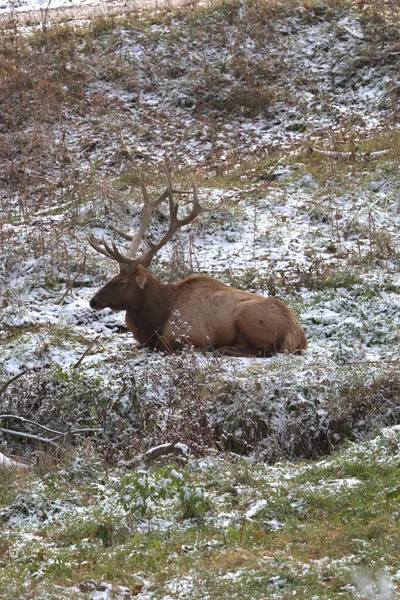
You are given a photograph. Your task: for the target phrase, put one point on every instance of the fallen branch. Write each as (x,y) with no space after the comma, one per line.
(164,450)
(23,420)
(338,154)
(30,436)
(9,462)
(53,440)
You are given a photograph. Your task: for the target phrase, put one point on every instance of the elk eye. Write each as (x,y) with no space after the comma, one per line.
(122,283)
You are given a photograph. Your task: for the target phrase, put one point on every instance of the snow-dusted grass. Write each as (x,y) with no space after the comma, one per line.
(286,114)
(321,528)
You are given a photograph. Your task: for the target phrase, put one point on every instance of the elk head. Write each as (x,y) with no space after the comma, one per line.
(126,290)
(118,293)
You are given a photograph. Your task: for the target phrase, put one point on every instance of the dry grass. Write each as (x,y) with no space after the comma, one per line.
(37,81)
(57,109)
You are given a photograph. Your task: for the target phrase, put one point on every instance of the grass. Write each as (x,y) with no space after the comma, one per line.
(243,557)
(271,411)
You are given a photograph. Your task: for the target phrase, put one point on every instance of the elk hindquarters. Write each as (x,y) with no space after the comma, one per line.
(269,326)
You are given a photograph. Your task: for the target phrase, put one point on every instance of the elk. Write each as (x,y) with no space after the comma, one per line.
(199,311)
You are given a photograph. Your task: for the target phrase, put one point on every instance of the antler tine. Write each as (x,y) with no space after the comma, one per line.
(196,196)
(113,253)
(151,203)
(94,245)
(116,252)
(170,193)
(106,250)
(146,198)
(196,210)
(149,207)
(127,236)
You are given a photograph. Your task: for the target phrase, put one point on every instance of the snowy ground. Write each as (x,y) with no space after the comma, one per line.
(37,12)
(11,6)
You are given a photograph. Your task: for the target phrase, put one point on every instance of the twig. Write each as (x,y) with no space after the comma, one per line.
(381,186)
(71,283)
(370,231)
(79,362)
(29,435)
(44,24)
(10,381)
(359,250)
(82,430)
(127,149)
(338,232)
(368,362)
(69,287)
(53,440)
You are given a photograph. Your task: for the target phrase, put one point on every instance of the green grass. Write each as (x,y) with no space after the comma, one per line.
(325,522)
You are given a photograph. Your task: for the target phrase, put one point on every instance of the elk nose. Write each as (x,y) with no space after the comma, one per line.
(92,303)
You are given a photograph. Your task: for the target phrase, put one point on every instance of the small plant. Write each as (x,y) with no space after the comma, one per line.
(142,492)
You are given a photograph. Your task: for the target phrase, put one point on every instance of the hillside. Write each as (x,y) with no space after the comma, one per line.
(193,476)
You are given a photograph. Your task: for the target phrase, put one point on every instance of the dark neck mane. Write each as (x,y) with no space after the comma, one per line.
(151,313)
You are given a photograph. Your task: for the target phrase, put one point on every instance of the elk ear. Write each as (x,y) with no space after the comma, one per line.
(141,277)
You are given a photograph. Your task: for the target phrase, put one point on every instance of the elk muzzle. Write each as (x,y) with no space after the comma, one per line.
(96,303)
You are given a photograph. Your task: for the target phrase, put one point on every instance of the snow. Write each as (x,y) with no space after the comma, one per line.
(21,6)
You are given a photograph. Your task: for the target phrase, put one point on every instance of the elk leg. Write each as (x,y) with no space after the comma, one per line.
(244,345)
(241,349)
(206,348)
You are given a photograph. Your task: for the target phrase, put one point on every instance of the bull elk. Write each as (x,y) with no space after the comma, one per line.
(199,311)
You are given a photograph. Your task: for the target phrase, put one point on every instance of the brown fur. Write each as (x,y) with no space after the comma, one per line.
(203,312)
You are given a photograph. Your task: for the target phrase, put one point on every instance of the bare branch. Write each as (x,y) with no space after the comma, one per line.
(79,362)
(10,381)
(163,450)
(343,154)
(52,441)
(5,461)
(23,420)
(83,430)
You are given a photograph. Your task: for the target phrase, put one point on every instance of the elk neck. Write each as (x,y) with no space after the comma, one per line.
(147,317)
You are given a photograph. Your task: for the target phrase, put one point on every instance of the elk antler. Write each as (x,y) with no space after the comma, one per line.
(145,259)
(149,208)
